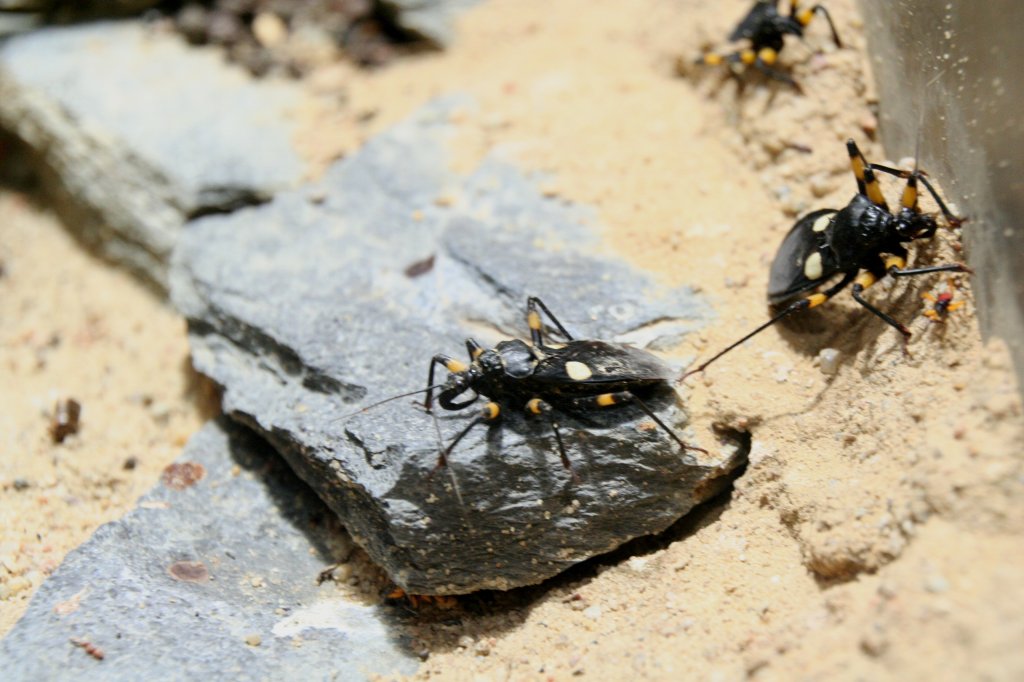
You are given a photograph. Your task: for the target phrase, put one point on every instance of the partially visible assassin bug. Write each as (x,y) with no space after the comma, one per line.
(942,303)
(766,29)
(417,601)
(542,379)
(850,242)
(89,648)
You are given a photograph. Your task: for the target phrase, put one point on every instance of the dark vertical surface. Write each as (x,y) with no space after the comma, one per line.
(954,70)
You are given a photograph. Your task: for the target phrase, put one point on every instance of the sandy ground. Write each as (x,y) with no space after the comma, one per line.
(71,327)
(875,533)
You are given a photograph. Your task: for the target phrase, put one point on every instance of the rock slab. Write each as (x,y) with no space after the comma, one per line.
(213,576)
(136,133)
(306,309)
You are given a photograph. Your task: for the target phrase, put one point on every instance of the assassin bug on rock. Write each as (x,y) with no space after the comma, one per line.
(850,242)
(766,30)
(542,378)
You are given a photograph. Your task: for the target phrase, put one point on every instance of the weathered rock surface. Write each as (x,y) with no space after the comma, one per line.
(432,19)
(303,310)
(212,578)
(136,133)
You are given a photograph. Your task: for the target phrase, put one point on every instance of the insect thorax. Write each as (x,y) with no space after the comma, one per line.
(862,228)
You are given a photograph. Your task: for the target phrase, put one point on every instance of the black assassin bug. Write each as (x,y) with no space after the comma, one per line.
(850,242)
(766,30)
(542,378)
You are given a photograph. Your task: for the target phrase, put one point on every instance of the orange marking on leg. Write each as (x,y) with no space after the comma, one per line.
(455,366)
(768,55)
(816,300)
(865,279)
(895,262)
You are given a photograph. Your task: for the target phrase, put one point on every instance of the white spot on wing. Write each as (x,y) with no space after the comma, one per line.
(578,371)
(812,268)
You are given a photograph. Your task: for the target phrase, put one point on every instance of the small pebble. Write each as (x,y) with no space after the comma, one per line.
(253,640)
(269,29)
(466,642)
(828,361)
(592,612)
(936,584)
(482,648)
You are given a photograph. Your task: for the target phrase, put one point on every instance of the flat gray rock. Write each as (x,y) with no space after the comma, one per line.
(137,133)
(213,576)
(304,311)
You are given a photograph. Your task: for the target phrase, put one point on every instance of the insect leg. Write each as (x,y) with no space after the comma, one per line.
(865,280)
(490,412)
(895,265)
(953,220)
(537,406)
(765,60)
(951,267)
(804,18)
(449,363)
(867,183)
(536,325)
(473,348)
(622,397)
(812,301)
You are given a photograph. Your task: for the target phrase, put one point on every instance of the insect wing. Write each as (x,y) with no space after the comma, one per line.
(752,23)
(597,362)
(804,259)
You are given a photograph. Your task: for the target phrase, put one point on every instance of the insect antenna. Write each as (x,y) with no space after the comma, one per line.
(799,305)
(385,400)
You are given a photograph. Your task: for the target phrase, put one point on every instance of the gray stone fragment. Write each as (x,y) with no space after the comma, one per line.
(137,133)
(432,19)
(302,310)
(246,549)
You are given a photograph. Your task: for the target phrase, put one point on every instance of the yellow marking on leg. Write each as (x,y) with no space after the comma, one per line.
(491,411)
(804,16)
(713,59)
(578,371)
(768,55)
(455,366)
(816,300)
(865,279)
(534,406)
(605,400)
(955,306)
(533,320)
(873,187)
(909,199)
(748,56)
(895,262)
(931,315)
(477,353)
(929,297)
(857,164)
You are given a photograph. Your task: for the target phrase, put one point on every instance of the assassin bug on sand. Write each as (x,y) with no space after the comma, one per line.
(766,29)
(850,242)
(542,378)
